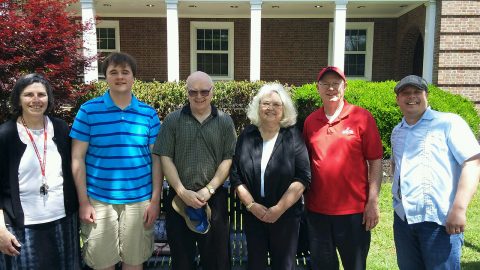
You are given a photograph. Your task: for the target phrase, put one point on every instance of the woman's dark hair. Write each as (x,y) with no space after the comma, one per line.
(120,59)
(23,83)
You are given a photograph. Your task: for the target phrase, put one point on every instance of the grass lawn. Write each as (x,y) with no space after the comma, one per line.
(382,249)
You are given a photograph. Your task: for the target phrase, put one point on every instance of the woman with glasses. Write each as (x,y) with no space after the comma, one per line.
(270,171)
(38,201)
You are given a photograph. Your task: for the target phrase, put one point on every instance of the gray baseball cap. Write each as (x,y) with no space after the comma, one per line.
(412,80)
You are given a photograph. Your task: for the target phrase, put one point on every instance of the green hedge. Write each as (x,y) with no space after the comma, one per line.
(234,96)
(230,96)
(379,99)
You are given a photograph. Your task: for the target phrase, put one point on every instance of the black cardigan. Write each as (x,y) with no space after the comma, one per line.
(11,152)
(289,162)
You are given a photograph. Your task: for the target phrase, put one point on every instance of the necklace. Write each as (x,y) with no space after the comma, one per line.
(43,162)
(36,132)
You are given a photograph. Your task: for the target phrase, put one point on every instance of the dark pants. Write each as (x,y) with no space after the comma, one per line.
(279,238)
(213,246)
(346,233)
(426,245)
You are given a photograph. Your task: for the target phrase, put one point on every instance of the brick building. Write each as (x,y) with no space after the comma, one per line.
(290,40)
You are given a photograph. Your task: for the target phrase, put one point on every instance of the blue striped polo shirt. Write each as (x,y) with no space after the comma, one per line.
(118,161)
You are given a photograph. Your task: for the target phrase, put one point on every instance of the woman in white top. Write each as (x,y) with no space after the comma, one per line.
(270,171)
(38,203)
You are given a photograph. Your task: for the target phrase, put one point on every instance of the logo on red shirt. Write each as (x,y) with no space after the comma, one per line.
(347,131)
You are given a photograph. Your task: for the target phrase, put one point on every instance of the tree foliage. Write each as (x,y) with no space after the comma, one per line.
(40,36)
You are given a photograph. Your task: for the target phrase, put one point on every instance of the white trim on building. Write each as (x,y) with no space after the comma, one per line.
(340,10)
(339,21)
(255,39)
(429,41)
(368,27)
(108,25)
(229,26)
(89,40)
(173,47)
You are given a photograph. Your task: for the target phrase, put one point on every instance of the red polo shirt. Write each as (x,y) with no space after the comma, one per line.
(338,154)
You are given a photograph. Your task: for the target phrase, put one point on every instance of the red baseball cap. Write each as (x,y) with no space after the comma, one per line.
(331,69)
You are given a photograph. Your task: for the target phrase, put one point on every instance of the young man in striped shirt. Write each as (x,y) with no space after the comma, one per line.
(118,180)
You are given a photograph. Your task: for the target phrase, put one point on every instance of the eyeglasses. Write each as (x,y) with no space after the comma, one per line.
(335,85)
(203,93)
(274,105)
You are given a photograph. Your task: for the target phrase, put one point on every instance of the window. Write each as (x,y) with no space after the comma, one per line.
(108,41)
(211,46)
(355,52)
(358,50)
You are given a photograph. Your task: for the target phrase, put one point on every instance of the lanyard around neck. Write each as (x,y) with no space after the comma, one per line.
(43,162)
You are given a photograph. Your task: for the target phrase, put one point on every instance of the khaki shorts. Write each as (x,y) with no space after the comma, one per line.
(117,235)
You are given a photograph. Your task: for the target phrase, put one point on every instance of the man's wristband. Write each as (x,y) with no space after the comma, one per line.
(250,205)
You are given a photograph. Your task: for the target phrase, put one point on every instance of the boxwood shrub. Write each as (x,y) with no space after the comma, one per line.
(234,96)
(379,99)
(230,96)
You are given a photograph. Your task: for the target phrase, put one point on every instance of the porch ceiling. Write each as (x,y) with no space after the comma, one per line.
(241,8)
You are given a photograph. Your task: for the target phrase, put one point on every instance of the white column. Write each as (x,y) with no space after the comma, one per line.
(89,40)
(173,51)
(255,38)
(339,25)
(429,40)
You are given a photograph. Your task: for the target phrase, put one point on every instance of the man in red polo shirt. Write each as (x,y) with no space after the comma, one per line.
(345,156)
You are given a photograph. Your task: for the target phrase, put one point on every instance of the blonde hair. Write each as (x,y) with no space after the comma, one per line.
(289,117)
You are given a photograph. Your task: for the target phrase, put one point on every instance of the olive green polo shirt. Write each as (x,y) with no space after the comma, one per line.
(197,149)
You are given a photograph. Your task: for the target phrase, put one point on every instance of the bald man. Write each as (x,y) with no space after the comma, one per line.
(196,145)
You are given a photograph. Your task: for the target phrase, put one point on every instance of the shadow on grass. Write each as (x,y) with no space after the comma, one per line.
(471,265)
(472,246)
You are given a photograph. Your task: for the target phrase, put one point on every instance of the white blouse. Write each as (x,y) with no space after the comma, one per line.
(267,150)
(37,208)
